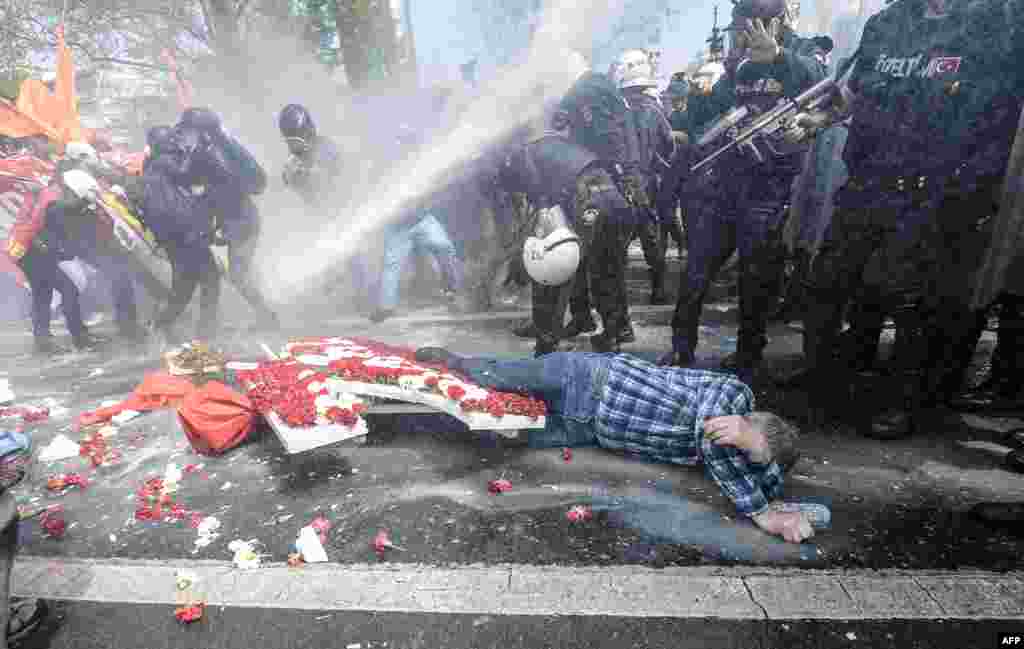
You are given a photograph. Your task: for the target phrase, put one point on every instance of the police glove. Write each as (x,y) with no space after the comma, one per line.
(764,47)
(633,191)
(806,125)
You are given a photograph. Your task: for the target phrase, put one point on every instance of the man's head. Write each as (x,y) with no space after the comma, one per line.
(297,128)
(780,437)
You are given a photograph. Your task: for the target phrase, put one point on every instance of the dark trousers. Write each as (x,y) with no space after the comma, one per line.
(120,273)
(747,214)
(654,242)
(916,251)
(241,260)
(45,276)
(192,266)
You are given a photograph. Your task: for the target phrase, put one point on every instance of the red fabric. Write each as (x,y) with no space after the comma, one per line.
(216,418)
(30,221)
(157,390)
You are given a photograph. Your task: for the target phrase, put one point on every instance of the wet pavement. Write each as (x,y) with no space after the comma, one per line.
(423,478)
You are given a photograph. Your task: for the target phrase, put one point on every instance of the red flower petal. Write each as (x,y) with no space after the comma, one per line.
(567,454)
(501,485)
(189,614)
(579,513)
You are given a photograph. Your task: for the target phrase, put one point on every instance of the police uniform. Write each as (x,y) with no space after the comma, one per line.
(743,207)
(936,110)
(554,170)
(655,149)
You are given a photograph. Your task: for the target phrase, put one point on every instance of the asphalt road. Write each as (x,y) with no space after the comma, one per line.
(423,479)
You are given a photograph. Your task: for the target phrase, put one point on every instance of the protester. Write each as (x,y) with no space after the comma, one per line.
(34,244)
(183,227)
(416,230)
(231,177)
(664,414)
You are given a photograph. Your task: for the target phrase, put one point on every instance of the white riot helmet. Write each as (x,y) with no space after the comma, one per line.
(81,152)
(576,64)
(552,257)
(82,185)
(635,68)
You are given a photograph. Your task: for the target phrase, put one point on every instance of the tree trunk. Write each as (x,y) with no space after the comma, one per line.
(366,35)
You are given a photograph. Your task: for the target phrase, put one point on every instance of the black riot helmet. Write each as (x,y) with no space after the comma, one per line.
(297,128)
(202,119)
(157,138)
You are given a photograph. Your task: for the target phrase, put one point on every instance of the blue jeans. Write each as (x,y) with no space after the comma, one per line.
(567,382)
(426,235)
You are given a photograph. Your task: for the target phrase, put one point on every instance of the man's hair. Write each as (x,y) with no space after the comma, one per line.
(781,436)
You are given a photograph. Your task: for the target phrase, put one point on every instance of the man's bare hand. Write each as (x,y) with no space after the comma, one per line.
(791,526)
(761,39)
(736,431)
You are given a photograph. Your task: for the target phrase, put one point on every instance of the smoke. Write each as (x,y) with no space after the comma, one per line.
(506,101)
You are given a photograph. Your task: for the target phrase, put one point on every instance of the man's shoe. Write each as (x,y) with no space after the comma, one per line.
(603,345)
(1007,515)
(88,342)
(436,356)
(380,315)
(133,333)
(525,329)
(47,347)
(676,359)
(24,618)
(578,327)
(660,298)
(888,426)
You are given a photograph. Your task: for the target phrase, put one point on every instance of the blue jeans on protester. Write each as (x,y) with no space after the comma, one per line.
(424,235)
(566,381)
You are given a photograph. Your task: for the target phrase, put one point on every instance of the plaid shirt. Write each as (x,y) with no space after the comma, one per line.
(659,412)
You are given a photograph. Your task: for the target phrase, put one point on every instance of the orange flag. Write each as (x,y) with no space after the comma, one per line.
(55,113)
(70,124)
(184,88)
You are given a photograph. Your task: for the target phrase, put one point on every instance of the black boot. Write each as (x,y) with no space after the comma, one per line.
(626,333)
(1004,515)
(603,345)
(46,346)
(658,295)
(578,325)
(525,329)
(676,359)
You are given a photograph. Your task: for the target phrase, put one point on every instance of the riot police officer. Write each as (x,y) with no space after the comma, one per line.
(747,208)
(314,164)
(655,151)
(563,179)
(935,95)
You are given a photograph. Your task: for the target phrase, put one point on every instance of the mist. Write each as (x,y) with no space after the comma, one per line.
(299,247)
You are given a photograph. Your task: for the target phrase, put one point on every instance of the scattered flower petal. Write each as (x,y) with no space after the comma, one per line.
(499,486)
(579,513)
(189,614)
(567,454)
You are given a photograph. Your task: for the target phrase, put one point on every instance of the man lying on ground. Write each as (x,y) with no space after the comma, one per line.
(666,414)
